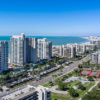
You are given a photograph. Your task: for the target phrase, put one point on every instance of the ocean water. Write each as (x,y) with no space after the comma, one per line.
(56,40)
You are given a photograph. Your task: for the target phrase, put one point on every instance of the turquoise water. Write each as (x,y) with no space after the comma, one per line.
(56,40)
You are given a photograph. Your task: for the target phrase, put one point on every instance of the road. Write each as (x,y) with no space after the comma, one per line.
(53,89)
(50,78)
(67,70)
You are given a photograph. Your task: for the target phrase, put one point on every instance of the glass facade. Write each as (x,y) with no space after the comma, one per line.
(3,56)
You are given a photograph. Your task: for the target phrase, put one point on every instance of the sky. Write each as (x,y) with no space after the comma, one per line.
(50,17)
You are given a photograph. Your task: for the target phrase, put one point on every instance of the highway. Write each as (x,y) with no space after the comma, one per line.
(65,71)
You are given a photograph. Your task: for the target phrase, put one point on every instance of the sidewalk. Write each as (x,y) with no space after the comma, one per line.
(53,89)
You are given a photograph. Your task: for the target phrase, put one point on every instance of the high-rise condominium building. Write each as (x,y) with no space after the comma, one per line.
(80,48)
(63,51)
(3,56)
(96,57)
(18,50)
(31,50)
(90,46)
(69,51)
(57,51)
(28,93)
(22,50)
(44,49)
(95,41)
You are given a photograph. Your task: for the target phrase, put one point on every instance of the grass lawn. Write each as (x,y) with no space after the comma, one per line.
(47,84)
(60,96)
(73,84)
(84,77)
(67,96)
(65,75)
(88,86)
(57,79)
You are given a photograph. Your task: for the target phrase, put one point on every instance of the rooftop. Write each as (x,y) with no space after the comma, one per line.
(19,93)
(96,53)
(19,36)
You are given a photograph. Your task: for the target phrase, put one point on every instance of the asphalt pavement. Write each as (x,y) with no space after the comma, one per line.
(50,78)
(67,70)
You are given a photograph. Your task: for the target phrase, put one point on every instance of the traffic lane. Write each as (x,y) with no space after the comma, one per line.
(50,78)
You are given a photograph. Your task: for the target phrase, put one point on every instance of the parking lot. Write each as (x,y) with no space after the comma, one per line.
(71,79)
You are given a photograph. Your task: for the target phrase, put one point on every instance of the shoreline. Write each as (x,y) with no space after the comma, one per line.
(56,40)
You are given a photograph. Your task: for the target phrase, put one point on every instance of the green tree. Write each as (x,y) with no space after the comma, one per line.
(73,93)
(90,78)
(98,85)
(82,87)
(61,86)
(24,66)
